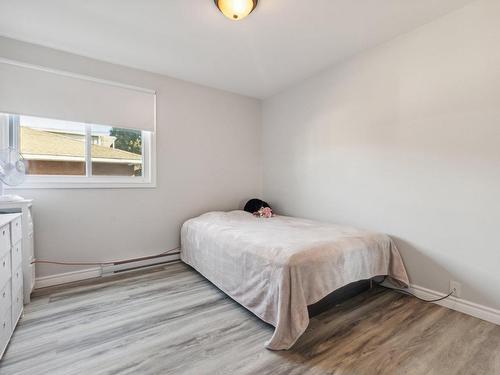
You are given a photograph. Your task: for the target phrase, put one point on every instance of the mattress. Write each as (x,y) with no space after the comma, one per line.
(276,267)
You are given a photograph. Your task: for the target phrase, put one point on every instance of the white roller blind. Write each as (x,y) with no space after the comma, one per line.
(29,90)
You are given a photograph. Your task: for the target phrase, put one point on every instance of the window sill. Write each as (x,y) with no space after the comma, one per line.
(82,183)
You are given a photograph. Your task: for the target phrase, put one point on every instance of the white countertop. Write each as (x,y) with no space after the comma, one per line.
(15,204)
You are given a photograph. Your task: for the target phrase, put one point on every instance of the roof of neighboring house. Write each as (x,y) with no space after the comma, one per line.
(43,145)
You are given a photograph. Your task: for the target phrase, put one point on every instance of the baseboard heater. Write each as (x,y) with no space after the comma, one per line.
(132,265)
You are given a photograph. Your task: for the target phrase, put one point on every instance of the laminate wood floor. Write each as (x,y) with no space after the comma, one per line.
(170,320)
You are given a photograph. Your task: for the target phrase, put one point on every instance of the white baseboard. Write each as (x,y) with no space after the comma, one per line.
(91,273)
(67,277)
(467,307)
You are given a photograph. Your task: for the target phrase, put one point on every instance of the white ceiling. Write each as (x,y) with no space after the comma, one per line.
(281,42)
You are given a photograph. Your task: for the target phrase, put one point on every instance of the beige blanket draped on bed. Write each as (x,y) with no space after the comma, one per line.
(276,267)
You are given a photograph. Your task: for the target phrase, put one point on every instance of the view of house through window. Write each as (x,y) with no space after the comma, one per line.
(116,152)
(52,147)
(63,148)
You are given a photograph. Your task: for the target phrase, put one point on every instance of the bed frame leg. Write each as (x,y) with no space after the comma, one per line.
(371,283)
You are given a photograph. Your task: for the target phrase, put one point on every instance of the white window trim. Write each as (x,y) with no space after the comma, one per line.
(147,180)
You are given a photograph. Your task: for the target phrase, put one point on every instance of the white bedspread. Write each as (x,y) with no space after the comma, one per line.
(277,267)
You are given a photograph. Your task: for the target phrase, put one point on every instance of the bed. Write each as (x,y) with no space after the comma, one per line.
(279,266)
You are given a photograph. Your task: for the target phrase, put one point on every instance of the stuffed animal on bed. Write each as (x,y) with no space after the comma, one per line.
(259,208)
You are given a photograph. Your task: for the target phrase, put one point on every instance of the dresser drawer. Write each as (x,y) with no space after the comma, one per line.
(5,329)
(17,255)
(4,240)
(17,305)
(5,298)
(17,279)
(5,269)
(16,230)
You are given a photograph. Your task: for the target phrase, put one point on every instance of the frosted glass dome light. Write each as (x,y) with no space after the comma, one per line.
(236,9)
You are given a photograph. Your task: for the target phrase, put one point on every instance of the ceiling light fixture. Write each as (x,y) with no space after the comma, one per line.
(236,9)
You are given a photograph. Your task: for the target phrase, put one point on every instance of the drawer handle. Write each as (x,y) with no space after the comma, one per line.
(4,263)
(17,224)
(4,324)
(3,295)
(3,233)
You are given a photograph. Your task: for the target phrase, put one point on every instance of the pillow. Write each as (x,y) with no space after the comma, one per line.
(254,205)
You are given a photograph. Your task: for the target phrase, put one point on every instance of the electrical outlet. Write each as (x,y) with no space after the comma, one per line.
(456,288)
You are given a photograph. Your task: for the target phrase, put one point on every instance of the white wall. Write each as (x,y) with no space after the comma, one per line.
(208,158)
(404,139)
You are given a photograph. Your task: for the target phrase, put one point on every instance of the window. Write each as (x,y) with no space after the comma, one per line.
(72,154)
(50,147)
(116,152)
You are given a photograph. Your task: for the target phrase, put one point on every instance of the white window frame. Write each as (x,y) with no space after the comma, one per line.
(147,180)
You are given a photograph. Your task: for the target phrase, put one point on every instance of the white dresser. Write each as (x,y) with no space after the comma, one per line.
(11,276)
(25,206)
